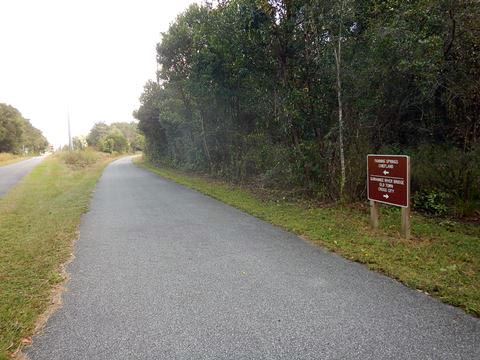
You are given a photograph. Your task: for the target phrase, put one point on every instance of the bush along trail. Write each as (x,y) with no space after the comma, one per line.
(39,219)
(441,259)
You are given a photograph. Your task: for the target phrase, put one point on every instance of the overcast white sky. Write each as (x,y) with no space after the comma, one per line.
(91,57)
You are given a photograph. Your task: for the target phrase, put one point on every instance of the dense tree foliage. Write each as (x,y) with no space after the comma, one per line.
(117,137)
(295,93)
(17,135)
(79,143)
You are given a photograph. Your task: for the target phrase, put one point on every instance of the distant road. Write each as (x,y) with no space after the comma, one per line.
(11,174)
(164,272)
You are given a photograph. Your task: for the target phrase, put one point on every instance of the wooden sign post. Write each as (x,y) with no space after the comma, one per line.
(388,179)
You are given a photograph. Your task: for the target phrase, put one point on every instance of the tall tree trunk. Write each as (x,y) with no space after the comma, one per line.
(338,61)
(205,144)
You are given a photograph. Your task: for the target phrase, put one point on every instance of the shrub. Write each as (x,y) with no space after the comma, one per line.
(448,175)
(79,158)
(114,141)
(431,202)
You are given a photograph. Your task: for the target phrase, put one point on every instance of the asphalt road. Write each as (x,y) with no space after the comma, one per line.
(163,272)
(11,174)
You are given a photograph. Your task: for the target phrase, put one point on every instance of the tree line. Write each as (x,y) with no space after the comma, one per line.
(294,94)
(120,137)
(17,135)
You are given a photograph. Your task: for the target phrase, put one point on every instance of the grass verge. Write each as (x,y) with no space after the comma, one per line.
(441,259)
(39,220)
(7,158)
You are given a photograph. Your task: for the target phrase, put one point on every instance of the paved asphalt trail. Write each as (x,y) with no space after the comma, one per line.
(163,272)
(11,174)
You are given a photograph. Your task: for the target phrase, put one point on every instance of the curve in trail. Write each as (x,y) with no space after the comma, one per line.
(164,272)
(12,174)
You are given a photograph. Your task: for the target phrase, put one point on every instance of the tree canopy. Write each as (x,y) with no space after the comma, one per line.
(295,93)
(17,135)
(118,137)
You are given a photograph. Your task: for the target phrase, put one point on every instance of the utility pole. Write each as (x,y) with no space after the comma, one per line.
(69,132)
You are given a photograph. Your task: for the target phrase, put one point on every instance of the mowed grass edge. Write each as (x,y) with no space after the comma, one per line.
(441,259)
(39,222)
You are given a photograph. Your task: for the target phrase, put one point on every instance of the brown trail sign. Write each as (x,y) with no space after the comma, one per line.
(388,179)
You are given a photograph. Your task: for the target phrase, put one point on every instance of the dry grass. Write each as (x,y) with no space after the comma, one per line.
(7,158)
(80,159)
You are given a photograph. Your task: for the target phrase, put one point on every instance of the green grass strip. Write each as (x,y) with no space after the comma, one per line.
(39,221)
(441,259)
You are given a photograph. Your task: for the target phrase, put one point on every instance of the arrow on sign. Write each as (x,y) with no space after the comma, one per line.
(386,196)
(385,172)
